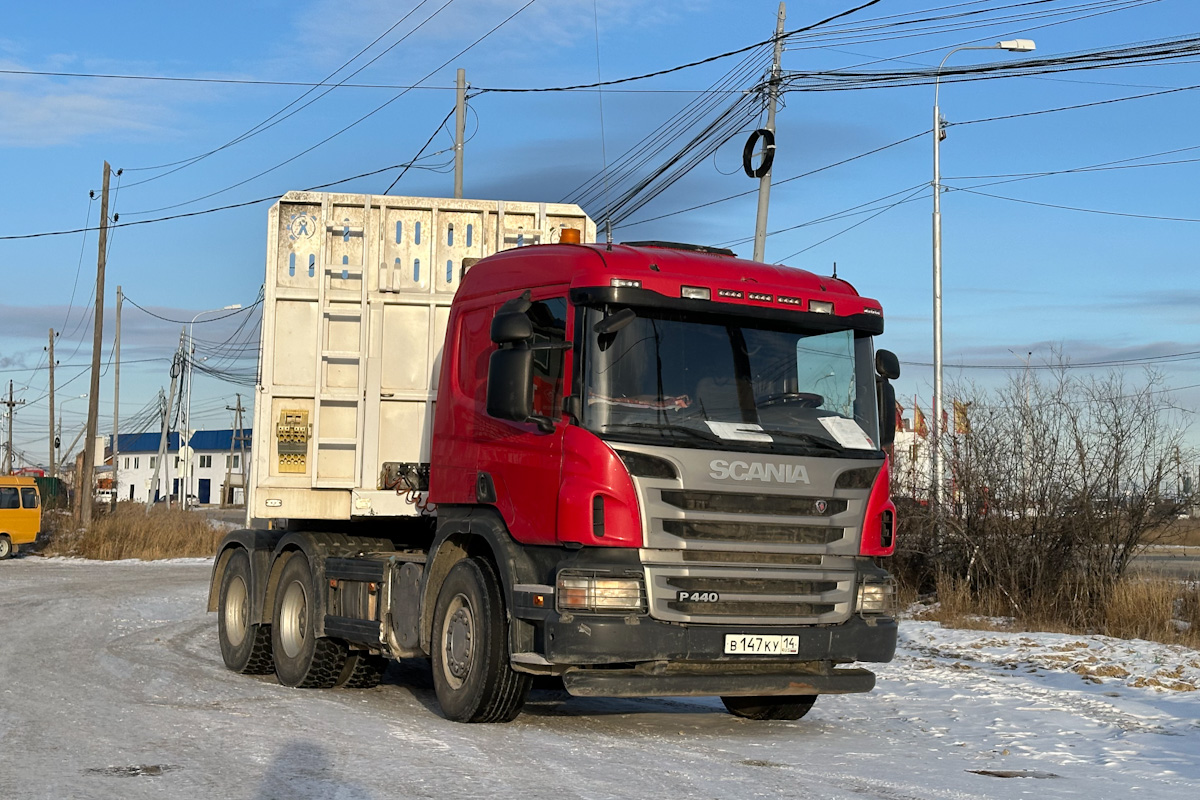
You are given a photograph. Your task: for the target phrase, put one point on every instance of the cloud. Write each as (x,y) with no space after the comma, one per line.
(29,119)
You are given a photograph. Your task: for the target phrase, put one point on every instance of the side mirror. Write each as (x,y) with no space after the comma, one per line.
(510,385)
(887,413)
(887,365)
(614,322)
(511,328)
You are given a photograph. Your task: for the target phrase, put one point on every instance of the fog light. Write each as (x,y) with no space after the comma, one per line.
(600,594)
(876,598)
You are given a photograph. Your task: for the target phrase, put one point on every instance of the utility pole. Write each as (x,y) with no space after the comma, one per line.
(764,183)
(53,448)
(460,127)
(235,436)
(164,440)
(116,449)
(84,483)
(160,464)
(8,459)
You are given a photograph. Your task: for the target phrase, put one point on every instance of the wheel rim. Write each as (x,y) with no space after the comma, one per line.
(293,619)
(457,639)
(237,611)
(5,547)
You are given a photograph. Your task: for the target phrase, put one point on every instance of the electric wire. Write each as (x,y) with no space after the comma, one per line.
(342,130)
(275,118)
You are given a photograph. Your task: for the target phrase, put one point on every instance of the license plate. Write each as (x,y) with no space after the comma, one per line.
(737,644)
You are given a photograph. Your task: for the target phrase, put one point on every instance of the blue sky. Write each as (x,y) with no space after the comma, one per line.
(1019,278)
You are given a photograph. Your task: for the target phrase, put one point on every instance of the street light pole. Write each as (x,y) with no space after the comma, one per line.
(1013,46)
(185,437)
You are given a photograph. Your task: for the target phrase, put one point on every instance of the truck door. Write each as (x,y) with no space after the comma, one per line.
(525,463)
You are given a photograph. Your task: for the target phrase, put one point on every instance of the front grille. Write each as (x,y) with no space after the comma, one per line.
(770,559)
(764,533)
(749,609)
(754,595)
(746,503)
(750,585)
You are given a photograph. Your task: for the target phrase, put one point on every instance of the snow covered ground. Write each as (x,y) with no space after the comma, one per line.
(111,686)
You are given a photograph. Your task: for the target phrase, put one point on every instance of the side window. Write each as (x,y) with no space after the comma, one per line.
(474,348)
(29,498)
(9,497)
(549,318)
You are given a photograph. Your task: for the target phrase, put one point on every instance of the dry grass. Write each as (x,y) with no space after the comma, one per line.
(1155,609)
(133,532)
(1177,532)
(1142,609)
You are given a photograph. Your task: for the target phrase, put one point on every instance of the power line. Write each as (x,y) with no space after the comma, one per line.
(342,130)
(194,322)
(1191,355)
(1076,208)
(275,118)
(184,215)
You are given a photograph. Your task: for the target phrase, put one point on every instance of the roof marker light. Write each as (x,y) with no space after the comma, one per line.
(695,293)
(791,301)
(625,283)
(762,298)
(731,293)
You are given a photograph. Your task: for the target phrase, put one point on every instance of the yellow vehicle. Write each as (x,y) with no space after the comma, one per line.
(20,513)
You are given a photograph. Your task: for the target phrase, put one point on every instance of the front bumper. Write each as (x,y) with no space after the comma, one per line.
(578,639)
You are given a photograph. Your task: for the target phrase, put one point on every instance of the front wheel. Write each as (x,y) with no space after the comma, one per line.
(471,673)
(6,548)
(301,658)
(245,645)
(785,707)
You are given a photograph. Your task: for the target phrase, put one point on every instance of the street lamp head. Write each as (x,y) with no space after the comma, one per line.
(1017,45)
(236,306)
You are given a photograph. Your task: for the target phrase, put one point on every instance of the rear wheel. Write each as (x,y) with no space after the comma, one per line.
(6,548)
(785,707)
(363,670)
(245,645)
(301,658)
(471,673)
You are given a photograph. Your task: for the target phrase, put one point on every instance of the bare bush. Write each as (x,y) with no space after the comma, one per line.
(1051,489)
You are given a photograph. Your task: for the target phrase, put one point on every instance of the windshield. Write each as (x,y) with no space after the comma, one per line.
(730,383)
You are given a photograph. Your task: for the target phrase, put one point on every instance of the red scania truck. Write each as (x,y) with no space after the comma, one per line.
(648,469)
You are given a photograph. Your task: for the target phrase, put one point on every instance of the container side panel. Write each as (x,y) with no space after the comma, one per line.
(405,350)
(294,362)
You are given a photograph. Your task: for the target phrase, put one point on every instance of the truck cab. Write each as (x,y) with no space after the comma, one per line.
(709,432)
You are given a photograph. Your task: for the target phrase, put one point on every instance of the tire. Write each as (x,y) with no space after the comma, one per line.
(301,658)
(763,708)
(6,548)
(363,670)
(471,672)
(245,646)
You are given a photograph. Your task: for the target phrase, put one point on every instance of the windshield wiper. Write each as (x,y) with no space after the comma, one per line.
(810,438)
(699,434)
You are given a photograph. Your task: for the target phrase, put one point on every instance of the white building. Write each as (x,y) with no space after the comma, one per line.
(218,466)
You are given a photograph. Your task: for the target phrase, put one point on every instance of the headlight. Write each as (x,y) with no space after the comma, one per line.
(876,598)
(578,592)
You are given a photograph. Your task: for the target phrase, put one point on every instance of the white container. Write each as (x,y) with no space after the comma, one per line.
(357,295)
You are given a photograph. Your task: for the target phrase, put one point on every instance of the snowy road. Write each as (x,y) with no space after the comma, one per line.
(111,686)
